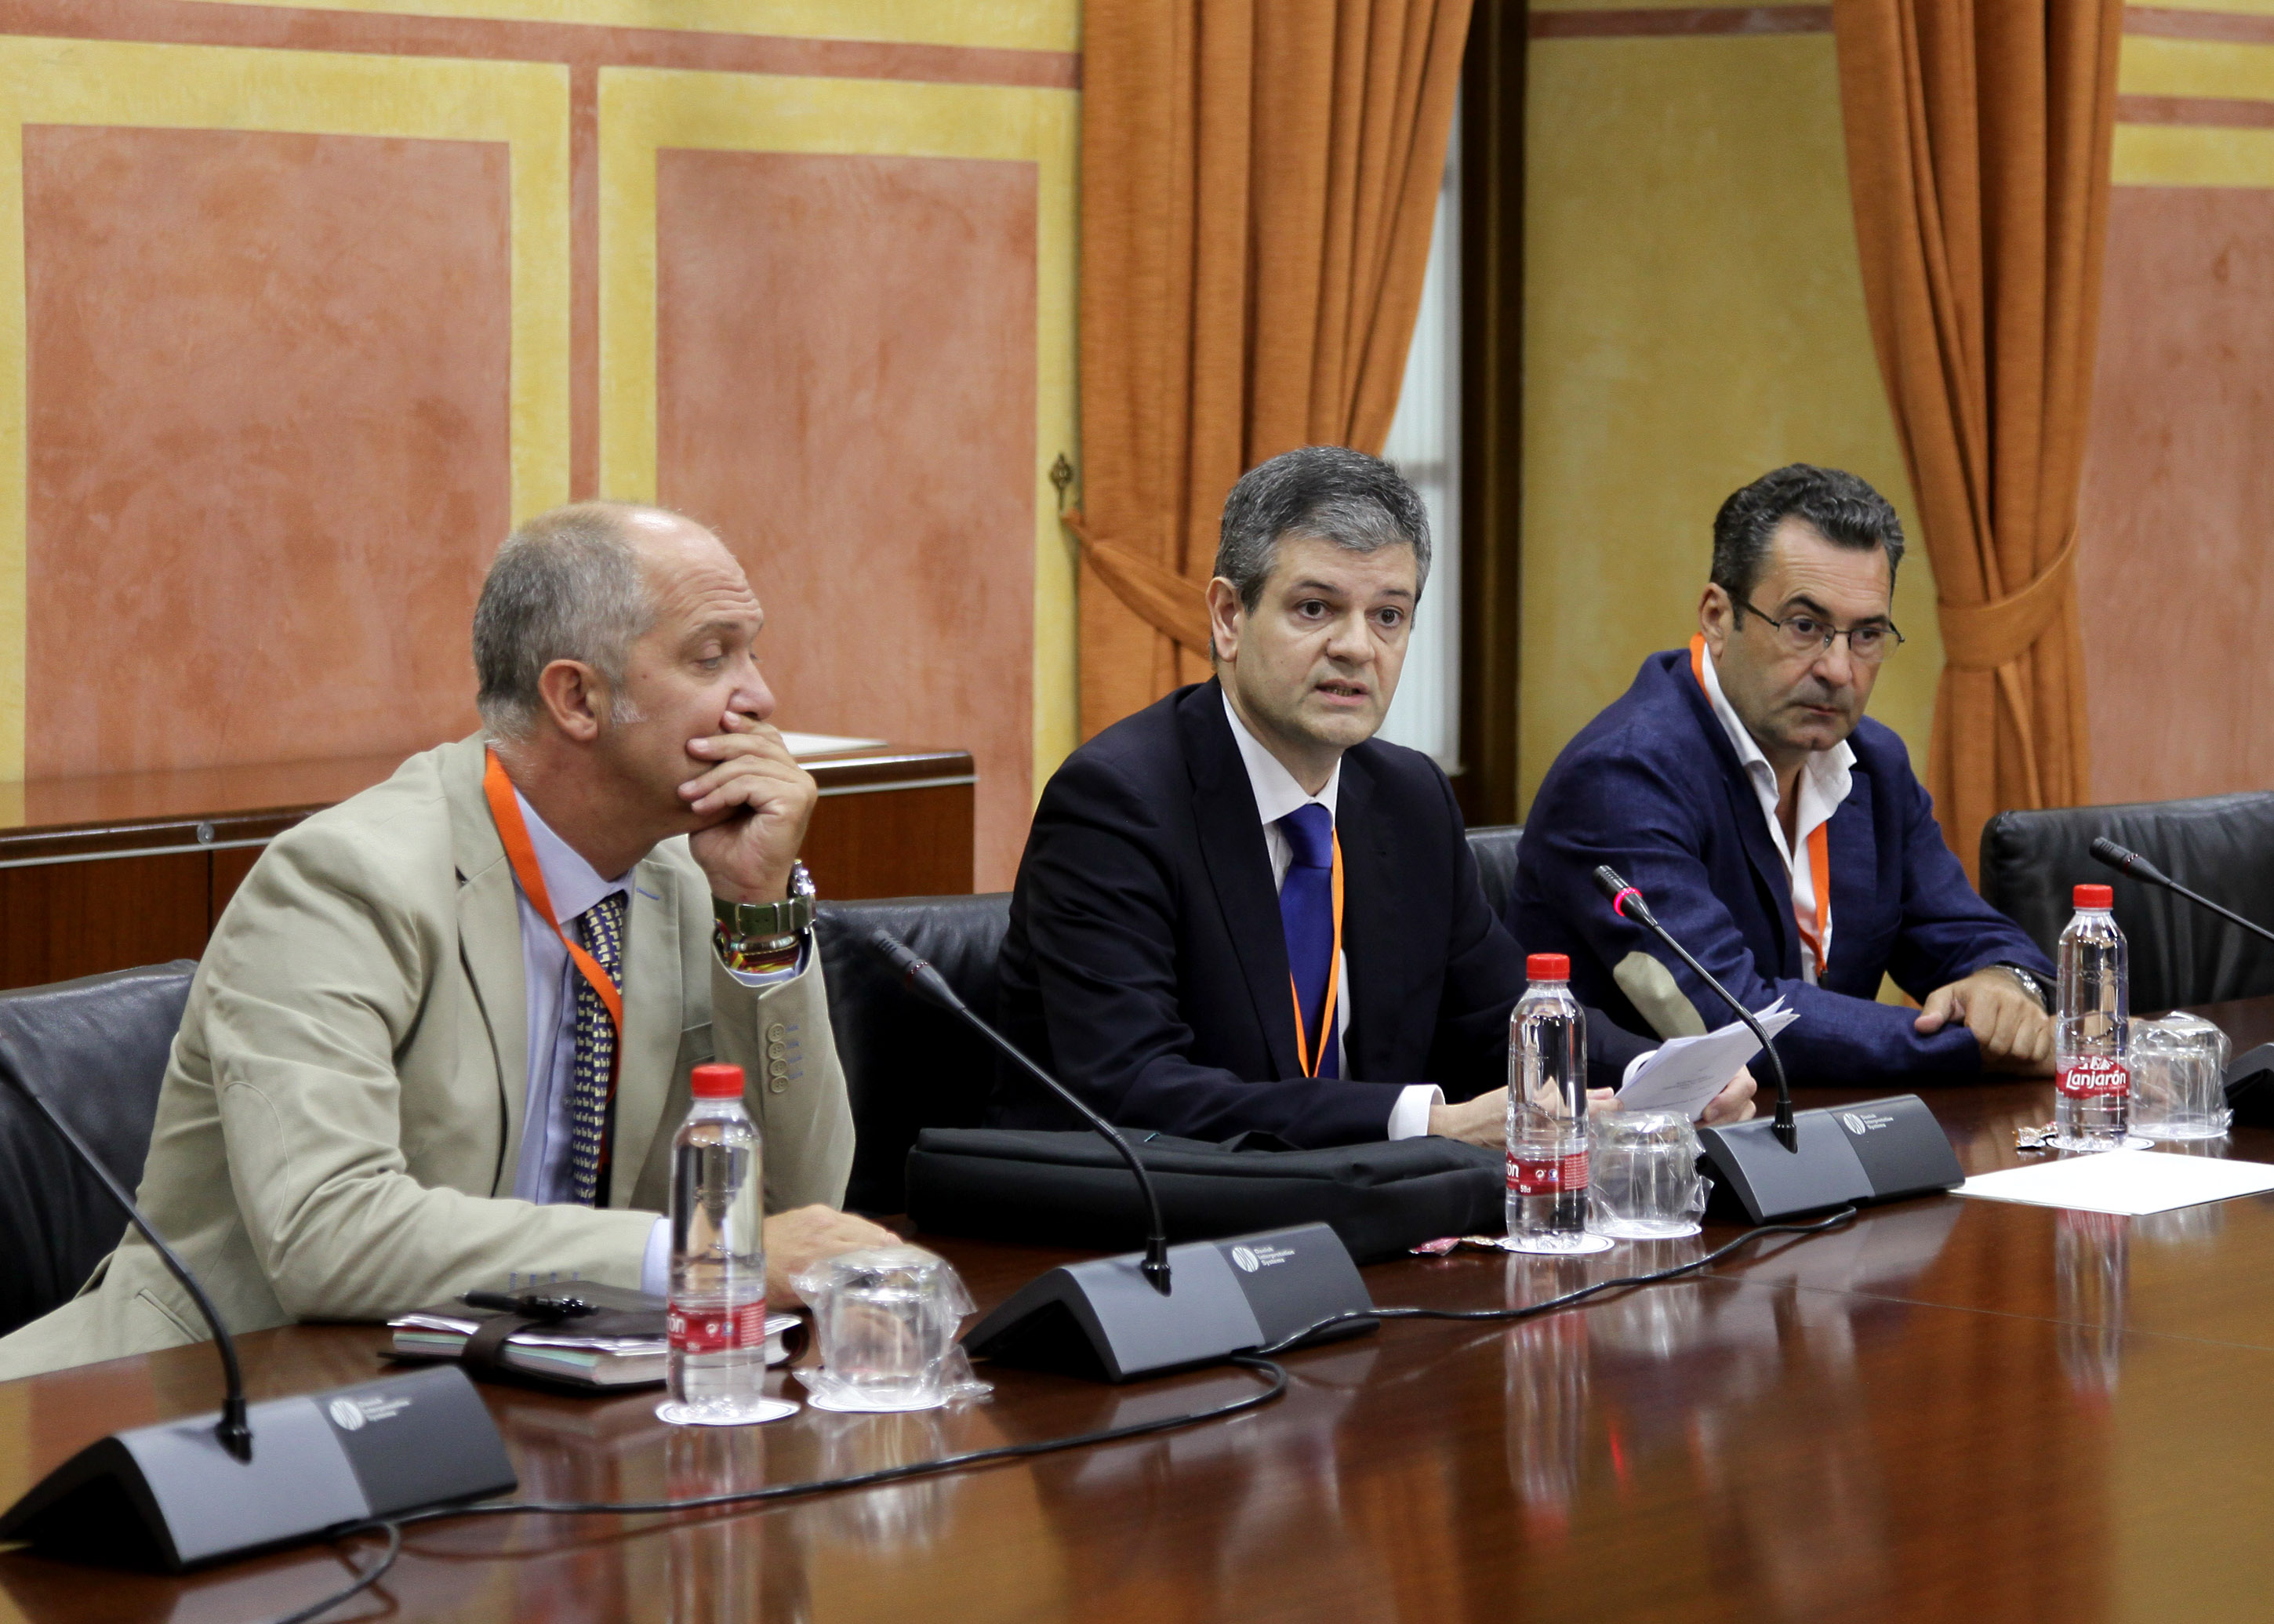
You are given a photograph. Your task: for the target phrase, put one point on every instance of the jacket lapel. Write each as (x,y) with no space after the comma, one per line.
(489,943)
(651,1019)
(1851,842)
(1745,810)
(1239,868)
(1370,933)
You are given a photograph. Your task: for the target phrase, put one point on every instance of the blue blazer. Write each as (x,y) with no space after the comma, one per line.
(1145,961)
(1653,787)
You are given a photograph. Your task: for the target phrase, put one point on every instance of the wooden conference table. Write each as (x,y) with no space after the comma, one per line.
(1950,1409)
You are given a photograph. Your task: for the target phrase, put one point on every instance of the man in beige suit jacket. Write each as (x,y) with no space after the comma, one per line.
(341,1127)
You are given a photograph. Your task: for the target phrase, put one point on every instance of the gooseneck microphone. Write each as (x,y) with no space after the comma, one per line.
(1115,1319)
(1627,903)
(1875,1150)
(233,1431)
(183,1493)
(2138,867)
(920,978)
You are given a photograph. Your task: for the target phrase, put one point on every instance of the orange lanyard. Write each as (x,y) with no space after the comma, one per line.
(518,852)
(1819,847)
(1303,1050)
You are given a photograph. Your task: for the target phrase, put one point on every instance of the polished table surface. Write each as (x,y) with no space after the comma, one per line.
(1951,1408)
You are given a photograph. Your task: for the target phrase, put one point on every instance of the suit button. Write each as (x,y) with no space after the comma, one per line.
(776,1033)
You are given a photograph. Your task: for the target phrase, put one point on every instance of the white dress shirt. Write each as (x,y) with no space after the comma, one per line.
(1278,794)
(1825,781)
(543,1173)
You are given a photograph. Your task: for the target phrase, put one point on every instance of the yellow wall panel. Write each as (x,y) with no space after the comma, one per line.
(89,82)
(1694,316)
(642,110)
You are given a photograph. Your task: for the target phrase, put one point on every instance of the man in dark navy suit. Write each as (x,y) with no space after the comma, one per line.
(1238,911)
(1779,834)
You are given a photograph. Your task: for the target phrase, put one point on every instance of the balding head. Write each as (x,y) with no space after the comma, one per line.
(574,585)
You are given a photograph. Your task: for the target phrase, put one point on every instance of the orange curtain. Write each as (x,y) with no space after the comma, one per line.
(1979,139)
(1258,178)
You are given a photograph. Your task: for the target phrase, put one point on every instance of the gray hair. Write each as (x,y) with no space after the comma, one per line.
(566,585)
(1329,491)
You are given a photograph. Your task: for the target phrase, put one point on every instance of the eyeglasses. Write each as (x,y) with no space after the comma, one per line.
(1803,633)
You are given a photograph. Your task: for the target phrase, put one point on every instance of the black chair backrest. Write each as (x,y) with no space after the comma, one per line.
(95,1050)
(1494,847)
(2222,845)
(908,1063)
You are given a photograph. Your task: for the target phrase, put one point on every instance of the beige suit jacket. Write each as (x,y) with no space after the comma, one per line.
(341,1120)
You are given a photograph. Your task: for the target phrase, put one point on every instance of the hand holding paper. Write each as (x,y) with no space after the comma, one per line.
(1686,1073)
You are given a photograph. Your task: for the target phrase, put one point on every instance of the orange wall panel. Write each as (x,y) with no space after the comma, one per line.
(2175,568)
(268,451)
(845,363)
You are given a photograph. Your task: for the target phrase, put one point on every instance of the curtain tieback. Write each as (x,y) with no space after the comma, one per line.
(1163,600)
(1985,636)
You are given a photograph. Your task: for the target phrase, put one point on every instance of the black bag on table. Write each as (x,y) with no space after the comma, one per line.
(1071,1189)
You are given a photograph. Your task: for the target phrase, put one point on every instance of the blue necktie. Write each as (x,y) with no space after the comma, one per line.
(1306,912)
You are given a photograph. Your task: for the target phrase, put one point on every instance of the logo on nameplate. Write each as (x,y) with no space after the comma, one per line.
(351,1415)
(1251,1258)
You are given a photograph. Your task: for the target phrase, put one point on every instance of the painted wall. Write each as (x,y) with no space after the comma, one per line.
(1694,316)
(302,307)
(2174,575)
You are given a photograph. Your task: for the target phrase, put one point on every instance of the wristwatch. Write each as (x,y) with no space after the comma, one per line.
(768,927)
(2030,984)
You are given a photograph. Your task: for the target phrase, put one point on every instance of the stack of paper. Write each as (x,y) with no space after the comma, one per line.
(1686,1073)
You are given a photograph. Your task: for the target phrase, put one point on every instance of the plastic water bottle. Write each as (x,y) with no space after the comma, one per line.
(715,1359)
(1547,1113)
(2092,1081)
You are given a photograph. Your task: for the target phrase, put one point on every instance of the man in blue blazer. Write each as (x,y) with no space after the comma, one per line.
(1238,911)
(1779,834)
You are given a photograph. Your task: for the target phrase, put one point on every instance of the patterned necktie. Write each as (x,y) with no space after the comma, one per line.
(593,1089)
(1306,912)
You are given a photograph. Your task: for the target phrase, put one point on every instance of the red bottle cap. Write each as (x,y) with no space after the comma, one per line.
(716,1082)
(2094,896)
(1549,967)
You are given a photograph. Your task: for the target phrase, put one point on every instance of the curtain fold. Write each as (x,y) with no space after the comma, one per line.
(1258,180)
(1979,139)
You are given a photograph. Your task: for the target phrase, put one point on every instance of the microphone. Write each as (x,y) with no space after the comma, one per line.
(2123,861)
(1092,1319)
(1627,903)
(920,978)
(324,1462)
(233,1430)
(1878,1150)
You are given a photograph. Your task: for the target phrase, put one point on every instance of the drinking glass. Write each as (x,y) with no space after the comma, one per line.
(1646,1185)
(885,1318)
(2179,1065)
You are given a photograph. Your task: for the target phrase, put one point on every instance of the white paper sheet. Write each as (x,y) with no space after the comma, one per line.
(1686,1073)
(2130,1182)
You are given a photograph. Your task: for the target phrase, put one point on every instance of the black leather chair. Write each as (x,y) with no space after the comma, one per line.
(2222,845)
(1494,847)
(908,1063)
(95,1050)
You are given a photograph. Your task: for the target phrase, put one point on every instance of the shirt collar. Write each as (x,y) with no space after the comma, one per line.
(1276,792)
(1827,769)
(571,884)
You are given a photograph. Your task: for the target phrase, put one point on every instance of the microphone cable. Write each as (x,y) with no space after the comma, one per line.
(1548,1305)
(1261,1362)
(1275,1386)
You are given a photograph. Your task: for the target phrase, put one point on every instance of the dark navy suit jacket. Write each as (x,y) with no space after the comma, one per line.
(1147,963)
(1653,787)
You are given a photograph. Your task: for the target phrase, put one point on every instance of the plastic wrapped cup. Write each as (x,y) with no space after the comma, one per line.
(1646,1182)
(885,1319)
(2178,1091)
